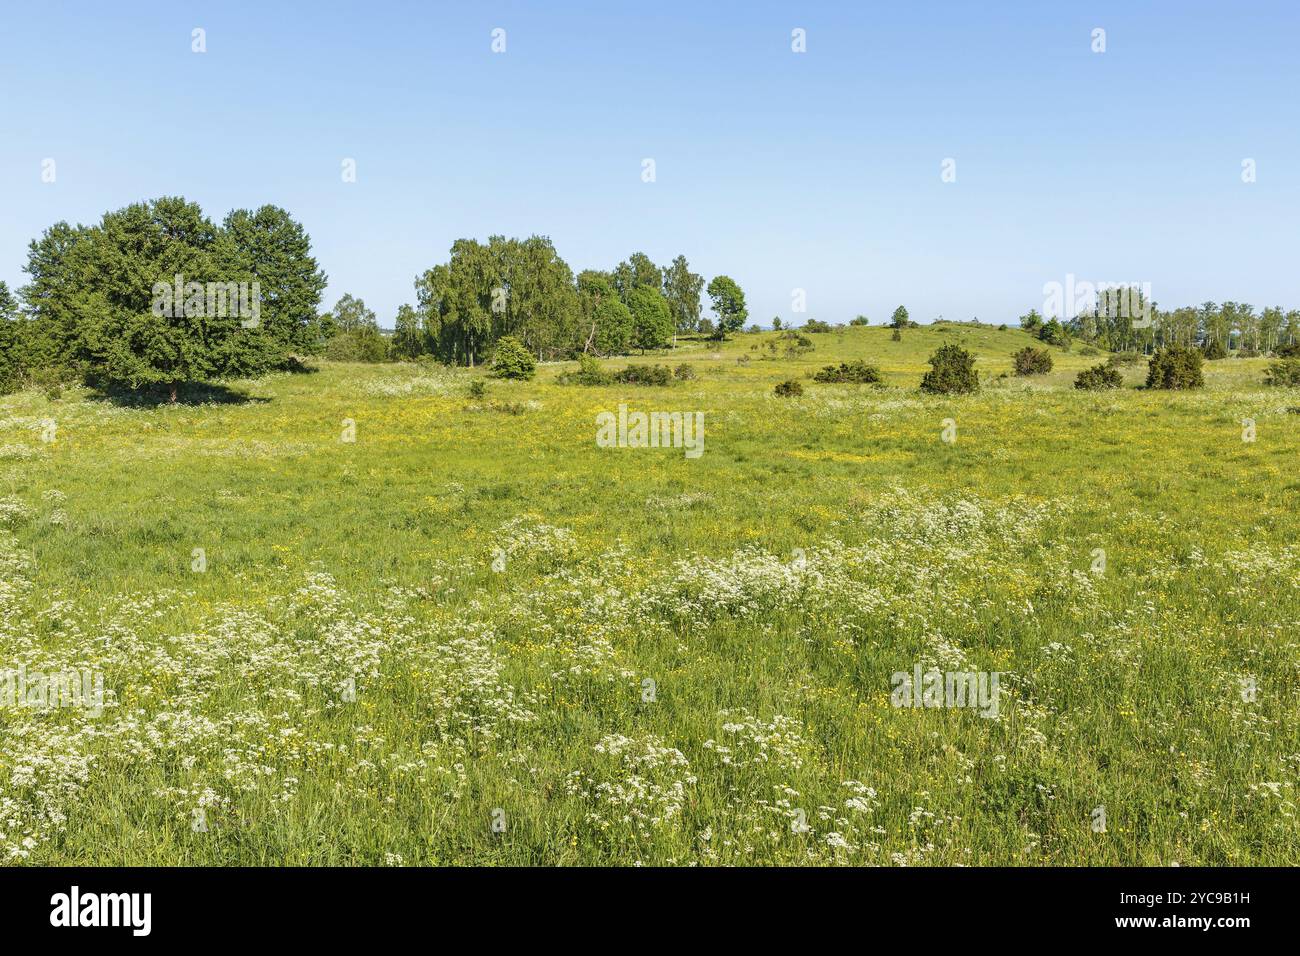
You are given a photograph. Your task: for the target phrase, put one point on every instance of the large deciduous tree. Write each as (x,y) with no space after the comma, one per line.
(682,289)
(276,251)
(606,325)
(729,305)
(156,294)
(636,273)
(652,323)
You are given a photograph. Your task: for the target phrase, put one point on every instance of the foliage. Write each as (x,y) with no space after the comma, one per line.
(1054,333)
(363,344)
(1175,367)
(652,322)
(644,375)
(588,372)
(511,359)
(1032,361)
(728,304)
(606,324)
(11,357)
(788,389)
(856,372)
(1285,373)
(506,287)
(408,338)
(155,293)
(952,371)
(682,289)
(1100,376)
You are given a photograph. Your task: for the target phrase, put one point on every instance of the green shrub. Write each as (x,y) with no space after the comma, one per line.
(796,344)
(1213,349)
(1175,367)
(1124,358)
(644,375)
(477,388)
(1099,376)
(813,325)
(859,320)
(588,372)
(512,360)
(1285,373)
(1032,361)
(1290,350)
(789,389)
(1089,350)
(897,336)
(50,380)
(952,372)
(364,344)
(857,372)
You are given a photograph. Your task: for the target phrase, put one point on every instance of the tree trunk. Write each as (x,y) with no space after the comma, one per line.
(171,396)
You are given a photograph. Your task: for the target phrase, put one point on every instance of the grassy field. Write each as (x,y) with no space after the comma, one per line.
(471,636)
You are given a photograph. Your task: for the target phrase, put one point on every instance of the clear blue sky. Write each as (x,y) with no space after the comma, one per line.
(818,171)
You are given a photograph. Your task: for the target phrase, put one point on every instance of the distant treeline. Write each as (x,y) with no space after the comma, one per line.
(1123,320)
(158,294)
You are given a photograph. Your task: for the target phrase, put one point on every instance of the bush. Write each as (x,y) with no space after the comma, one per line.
(795,343)
(1285,373)
(1291,350)
(857,372)
(860,320)
(1054,333)
(684,372)
(588,372)
(1089,350)
(897,336)
(512,360)
(1175,367)
(952,372)
(1124,358)
(1213,349)
(1032,361)
(477,388)
(789,389)
(644,375)
(813,325)
(365,344)
(1099,376)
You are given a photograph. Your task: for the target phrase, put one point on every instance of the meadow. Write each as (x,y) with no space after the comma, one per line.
(472,636)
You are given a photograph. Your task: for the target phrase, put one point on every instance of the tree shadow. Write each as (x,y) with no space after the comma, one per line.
(189,393)
(296,366)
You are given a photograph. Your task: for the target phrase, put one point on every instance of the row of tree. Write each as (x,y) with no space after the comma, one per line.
(1125,321)
(522,288)
(158,294)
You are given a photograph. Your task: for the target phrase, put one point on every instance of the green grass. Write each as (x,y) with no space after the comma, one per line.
(769,589)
